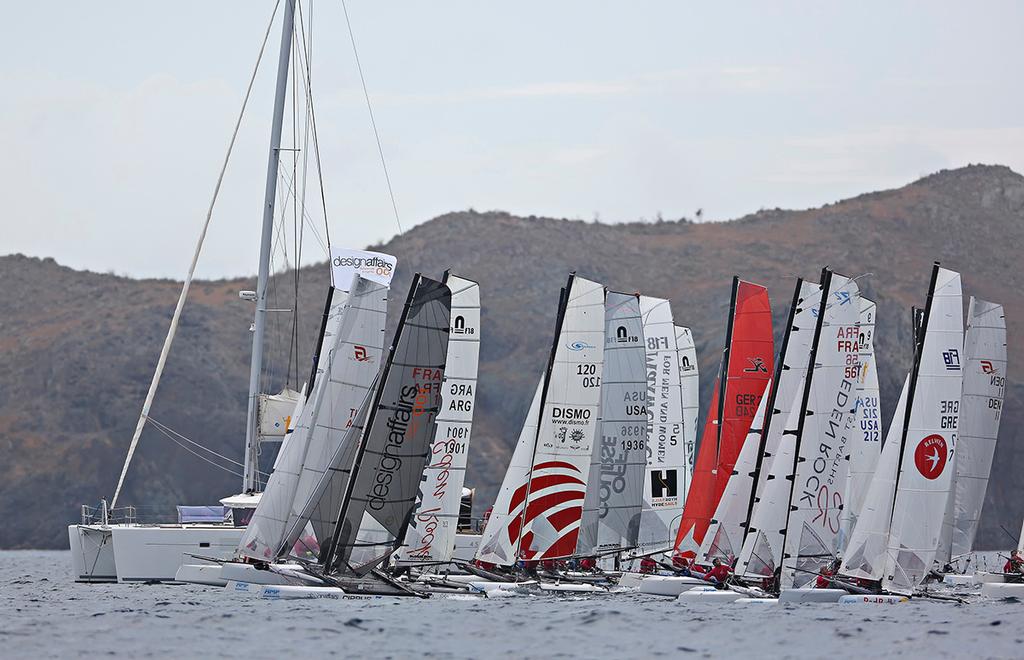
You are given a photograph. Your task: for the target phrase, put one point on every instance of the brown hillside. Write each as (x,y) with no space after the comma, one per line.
(77,349)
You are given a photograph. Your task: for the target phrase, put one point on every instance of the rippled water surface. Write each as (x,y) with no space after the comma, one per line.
(44,614)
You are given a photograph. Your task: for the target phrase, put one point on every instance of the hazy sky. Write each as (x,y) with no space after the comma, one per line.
(114,116)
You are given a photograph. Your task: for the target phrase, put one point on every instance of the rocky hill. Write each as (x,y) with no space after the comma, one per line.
(77,349)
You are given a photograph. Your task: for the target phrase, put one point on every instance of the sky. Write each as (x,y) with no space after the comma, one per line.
(115,116)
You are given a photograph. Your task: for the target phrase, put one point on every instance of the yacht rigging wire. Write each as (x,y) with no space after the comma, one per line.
(144,415)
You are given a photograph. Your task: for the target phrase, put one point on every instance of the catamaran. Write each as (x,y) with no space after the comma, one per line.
(896,538)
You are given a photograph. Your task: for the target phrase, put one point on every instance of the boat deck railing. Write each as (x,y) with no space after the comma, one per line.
(102,514)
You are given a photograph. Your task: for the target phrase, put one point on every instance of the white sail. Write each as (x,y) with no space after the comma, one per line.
(667,479)
(929,439)
(724,537)
(865,551)
(354,348)
(568,423)
(431,533)
(791,377)
(689,383)
(816,503)
(611,508)
(866,443)
(981,407)
(761,553)
(499,543)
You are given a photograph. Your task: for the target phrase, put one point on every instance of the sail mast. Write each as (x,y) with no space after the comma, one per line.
(723,377)
(251,469)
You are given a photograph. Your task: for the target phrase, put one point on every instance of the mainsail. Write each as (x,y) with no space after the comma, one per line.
(394,446)
(568,422)
(866,443)
(689,383)
(981,407)
(826,425)
(745,370)
(611,508)
(929,438)
(667,476)
(349,357)
(431,533)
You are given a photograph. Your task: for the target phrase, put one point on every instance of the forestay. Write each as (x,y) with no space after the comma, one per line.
(981,407)
(393,452)
(611,508)
(929,438)
(431,533)
(866,443)
(350,357)
(568,422)
(666,479)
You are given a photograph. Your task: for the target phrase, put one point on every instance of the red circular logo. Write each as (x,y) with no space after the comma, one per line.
(930,456)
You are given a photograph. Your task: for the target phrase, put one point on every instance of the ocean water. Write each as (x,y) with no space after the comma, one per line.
(44,614)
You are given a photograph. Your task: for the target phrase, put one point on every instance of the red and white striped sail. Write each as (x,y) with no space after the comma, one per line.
(568,422)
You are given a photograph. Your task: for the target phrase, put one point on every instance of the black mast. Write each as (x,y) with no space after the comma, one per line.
(320,340)
(723,375)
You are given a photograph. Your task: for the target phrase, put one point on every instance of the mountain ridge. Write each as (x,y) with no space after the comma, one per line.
(77,348)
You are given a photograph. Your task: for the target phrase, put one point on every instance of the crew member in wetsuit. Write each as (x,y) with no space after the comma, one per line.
(648,565)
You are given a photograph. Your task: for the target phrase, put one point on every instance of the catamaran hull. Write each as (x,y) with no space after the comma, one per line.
(666,585)
(204,574)
(869,599)
(92,553)
(286,574)
(154,553)
(1002,590)
(812,595)
(706,593)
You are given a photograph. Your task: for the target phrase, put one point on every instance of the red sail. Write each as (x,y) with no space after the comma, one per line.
(748,365)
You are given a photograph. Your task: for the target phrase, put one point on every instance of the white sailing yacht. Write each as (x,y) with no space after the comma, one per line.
(110,544)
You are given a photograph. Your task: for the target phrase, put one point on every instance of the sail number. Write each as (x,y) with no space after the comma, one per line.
(589,374)
(657,343)
(628,445)
(949,411)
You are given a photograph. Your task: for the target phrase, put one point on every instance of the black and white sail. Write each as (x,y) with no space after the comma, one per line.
(392,453)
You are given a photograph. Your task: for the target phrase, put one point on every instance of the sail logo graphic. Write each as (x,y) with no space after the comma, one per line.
(664,484)
(843,297)
(988,368)
(459,326)
(756,366)
(578,346)
(952,359)
(360,354)
(930,456)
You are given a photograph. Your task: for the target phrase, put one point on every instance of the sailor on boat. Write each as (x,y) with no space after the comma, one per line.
(1014,567)
(825,575)
(718,574)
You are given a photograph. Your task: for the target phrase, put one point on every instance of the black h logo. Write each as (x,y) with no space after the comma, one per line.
(663,483)
(460,325)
